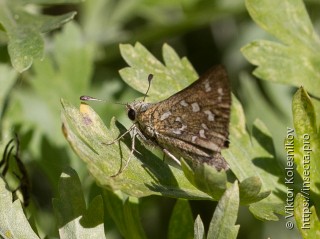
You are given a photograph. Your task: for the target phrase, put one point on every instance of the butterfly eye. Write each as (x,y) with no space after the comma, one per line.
(132,114)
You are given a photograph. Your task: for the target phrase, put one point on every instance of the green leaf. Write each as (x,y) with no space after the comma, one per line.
(124,211)
(176,73)
(57,71)
(24,32)
(304,117)
(145,173)
(199,232)
(306,217)
(289,22)
(70,208)
(306,144)
(53,78)
(7,80)
(223,222)
(13,222)
(206,178)
(52,1)
(181,221)
(250,190)
(253,157)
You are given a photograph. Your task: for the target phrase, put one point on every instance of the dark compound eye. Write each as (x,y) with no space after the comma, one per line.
(132,114)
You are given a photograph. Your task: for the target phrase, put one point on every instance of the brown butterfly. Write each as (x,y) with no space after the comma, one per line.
(192,124)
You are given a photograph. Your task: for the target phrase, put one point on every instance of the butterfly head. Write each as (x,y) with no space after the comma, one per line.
(131,113)
(135,108)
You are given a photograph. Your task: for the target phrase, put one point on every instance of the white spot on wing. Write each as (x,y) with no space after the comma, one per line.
(193,139)
(209,145)
(201,133)
(195,107)
(178,119)
(204,126)
(180,130)
(176,131)
(220,92)
(207,86)
(183,127)
(183,103)
(210,115)
(165,115)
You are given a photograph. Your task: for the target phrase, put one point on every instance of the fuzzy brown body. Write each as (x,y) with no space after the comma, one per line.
(193,123)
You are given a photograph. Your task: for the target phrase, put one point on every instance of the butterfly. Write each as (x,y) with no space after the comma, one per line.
(192,124)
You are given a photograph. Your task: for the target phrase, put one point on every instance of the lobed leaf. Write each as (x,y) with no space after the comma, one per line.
(207,179)
(306,217)
(199,232)
(223,222)
(176,73)
(7,80)
(253,157)
(295,59)
(181,221)
(124,211)
(70,208)
(306,145)
(24,29)
(13,221)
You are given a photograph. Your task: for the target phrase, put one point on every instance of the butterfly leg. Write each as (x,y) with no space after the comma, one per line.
(130,155)
(121,136)
(170,155)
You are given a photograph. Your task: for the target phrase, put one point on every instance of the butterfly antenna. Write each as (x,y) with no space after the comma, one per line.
(90,98)
(150,76)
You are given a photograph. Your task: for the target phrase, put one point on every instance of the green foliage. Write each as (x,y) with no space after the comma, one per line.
(307,142)
(125,213)
(70,209)
(199,232)
(24,29)
(307,159)
(254,157)
(181,217)
(176,72)
(301,212)
(295,59)
(7,76)
(58,72)
(222,224)
(13,222)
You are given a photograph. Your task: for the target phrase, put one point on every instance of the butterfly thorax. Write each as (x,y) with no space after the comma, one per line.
(137,112)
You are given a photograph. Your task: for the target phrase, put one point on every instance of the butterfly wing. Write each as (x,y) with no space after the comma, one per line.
(198,116)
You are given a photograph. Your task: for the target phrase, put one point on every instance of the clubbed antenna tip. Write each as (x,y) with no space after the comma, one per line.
(89,98)
(150,76)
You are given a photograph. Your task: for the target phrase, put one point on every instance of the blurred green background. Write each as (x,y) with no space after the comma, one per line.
(82,58)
